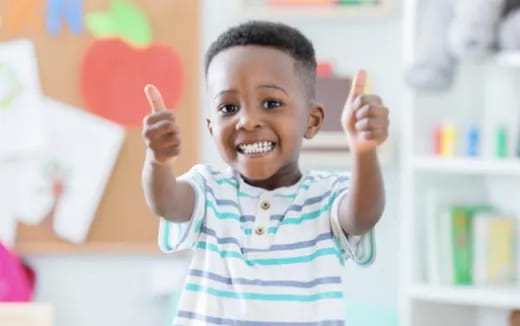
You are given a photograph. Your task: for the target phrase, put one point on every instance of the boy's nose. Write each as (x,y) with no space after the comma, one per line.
(248,121)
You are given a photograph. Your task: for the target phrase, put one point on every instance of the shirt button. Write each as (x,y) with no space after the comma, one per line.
(265,204)
(259,230)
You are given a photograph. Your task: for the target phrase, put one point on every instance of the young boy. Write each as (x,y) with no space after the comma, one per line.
(269,243)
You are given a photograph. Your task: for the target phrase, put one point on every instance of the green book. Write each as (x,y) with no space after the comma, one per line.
(461,245)
(462,242)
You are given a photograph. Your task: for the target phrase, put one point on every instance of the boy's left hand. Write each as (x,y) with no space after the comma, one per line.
(364,117)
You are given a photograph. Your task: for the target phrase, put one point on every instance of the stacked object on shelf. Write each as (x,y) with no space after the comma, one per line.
(470,245)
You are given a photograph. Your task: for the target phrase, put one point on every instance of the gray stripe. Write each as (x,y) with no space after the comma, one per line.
(251,218)
(301,244)
(274,217)
(247,218)
(312,178)
(339,180)
(212,233)
(289,283)
(225,321)
(222,202)
(278,247)
(294,207)
(309,201)
(215,172)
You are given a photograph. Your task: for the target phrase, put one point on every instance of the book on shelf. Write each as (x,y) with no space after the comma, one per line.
(494,249)
(469,245)
(455,242)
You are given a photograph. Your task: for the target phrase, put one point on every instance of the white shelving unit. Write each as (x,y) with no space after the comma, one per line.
(498,297)
(508,59)
(473,95)
(439,165)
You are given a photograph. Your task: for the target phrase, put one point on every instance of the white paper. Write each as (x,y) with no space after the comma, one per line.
(84,149)
(7,220)
(7,231)
(20,98)
(27,189)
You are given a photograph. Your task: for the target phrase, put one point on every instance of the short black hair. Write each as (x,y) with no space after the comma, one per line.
(275,35)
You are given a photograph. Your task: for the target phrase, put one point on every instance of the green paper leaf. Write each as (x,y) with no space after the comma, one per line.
(100,24)
(124,20)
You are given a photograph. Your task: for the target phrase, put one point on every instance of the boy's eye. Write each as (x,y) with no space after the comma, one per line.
(228,108)
(271,104)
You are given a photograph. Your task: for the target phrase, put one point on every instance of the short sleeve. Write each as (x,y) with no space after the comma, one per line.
(361,249)
(174,237)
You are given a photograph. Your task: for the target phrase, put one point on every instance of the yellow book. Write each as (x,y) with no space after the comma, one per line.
(501,267)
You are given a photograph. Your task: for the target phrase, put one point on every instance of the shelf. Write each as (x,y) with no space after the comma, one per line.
(497,297)
(264,11)
(40,314)
(508,59)
(50,248)
(467,165)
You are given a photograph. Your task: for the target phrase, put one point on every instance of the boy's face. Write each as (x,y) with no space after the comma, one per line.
(260,111)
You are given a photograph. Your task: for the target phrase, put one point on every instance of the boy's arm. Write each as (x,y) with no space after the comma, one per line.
(165,196)
(361,209)
(365,121)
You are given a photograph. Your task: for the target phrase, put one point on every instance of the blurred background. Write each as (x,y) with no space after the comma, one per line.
(78,246)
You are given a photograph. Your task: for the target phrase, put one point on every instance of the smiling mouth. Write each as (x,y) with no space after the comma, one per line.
(256,148)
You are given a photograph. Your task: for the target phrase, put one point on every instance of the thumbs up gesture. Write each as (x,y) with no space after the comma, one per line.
(364,117)
(160,130)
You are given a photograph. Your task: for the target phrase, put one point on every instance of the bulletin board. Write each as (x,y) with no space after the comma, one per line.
(122,222)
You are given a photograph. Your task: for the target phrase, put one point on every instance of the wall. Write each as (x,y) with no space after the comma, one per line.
(119,289)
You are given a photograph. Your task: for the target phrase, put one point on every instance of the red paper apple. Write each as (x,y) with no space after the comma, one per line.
(113,76)
(115,70)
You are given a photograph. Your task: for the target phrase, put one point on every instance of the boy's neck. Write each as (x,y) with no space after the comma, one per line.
(285,177)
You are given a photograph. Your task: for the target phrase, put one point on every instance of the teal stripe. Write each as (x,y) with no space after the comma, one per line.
(243,194)
(300,259)
(272,230)
(198,227)
(291,196)
(222,253)
(304,187)
(166,239)
(310,215)
(222,215)
(307,183)
(371,245)
(264,296)
(340,249)
(271,261)
(228,181)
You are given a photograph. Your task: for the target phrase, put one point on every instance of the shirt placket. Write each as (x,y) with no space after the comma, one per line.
(259,236)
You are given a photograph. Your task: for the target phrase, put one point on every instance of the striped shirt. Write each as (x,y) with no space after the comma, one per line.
(264,257)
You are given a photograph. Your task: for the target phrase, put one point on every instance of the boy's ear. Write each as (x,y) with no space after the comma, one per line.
(314,120)
(208,125)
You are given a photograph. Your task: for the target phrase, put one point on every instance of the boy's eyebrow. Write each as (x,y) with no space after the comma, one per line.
(225,91)
(260,86)
(273,86)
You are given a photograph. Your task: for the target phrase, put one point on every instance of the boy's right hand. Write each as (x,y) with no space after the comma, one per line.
(160,130)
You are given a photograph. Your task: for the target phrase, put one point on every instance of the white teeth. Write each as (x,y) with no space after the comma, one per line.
(256,148)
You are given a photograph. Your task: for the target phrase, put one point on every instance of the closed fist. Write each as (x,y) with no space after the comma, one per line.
(160,130)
